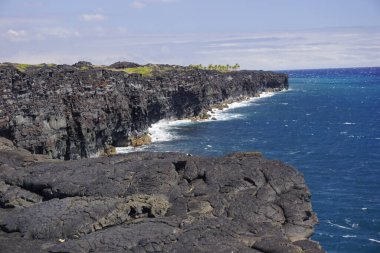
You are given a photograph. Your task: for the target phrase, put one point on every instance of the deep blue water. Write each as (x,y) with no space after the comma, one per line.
(328,126)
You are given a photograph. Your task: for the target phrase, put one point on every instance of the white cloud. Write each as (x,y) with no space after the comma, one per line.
(296,50)
(16,35)
(138,4)
(93,17)
(12,21)
(122,29)
(57,32)
(40,34)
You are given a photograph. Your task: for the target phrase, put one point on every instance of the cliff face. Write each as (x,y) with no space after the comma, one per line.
(75,111)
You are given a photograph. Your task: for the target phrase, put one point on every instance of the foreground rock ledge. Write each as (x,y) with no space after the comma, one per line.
(153,202)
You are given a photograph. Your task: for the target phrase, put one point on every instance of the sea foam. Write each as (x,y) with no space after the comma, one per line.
(228,114)
(162,131)
(337,225)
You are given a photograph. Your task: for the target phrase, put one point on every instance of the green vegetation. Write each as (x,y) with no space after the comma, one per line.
(144,70)
(22,66)
(84,68)
(221,68)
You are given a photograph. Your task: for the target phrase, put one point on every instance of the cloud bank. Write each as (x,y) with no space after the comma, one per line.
(349,47)
(16,35)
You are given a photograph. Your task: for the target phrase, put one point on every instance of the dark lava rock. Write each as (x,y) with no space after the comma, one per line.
(83,64)
(69,112)
(124,65)
(154,202)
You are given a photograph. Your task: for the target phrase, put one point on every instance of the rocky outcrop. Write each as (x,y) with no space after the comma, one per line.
(70,112)
(154,202)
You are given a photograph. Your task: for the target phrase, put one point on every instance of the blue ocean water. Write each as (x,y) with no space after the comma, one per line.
(328,127)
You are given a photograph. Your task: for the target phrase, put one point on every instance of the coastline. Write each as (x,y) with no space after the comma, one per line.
(94,109)
(160,131)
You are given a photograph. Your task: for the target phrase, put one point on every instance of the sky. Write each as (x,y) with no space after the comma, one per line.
(265,34)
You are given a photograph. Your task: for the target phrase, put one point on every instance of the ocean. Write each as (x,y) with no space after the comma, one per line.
(327,125)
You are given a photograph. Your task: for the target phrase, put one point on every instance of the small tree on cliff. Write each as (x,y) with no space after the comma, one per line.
(236,66)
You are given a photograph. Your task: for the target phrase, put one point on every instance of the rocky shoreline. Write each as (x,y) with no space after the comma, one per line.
(137,202)
(70,112)
(152,202)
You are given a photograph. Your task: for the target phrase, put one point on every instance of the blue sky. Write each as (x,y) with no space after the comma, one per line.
(267,34)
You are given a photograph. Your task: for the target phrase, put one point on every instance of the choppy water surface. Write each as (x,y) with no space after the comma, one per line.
(328,126)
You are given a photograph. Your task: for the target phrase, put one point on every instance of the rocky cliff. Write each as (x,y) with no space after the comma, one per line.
(152,202)
(71,112)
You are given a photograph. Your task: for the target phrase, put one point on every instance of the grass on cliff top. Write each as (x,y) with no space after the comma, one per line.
(22,66)
(220,68)
(145,71)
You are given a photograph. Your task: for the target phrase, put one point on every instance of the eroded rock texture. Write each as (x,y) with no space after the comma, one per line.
(70,112)
(154,202)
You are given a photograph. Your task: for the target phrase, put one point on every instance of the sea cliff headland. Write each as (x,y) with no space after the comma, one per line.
(79,111)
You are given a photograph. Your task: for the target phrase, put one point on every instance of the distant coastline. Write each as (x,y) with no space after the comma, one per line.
(78,111)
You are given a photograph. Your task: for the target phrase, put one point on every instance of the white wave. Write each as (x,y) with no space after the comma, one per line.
(349,123)
(208,147)
(373,240)
(349,236)
(239,104)
(249,101)
(267,94)
(226,114)
(160,131)
(364,208)
(223,116)
(348,221)
(125,150)
(337,225)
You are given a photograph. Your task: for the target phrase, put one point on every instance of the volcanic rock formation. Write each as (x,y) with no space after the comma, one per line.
(153,202)
(78,111)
